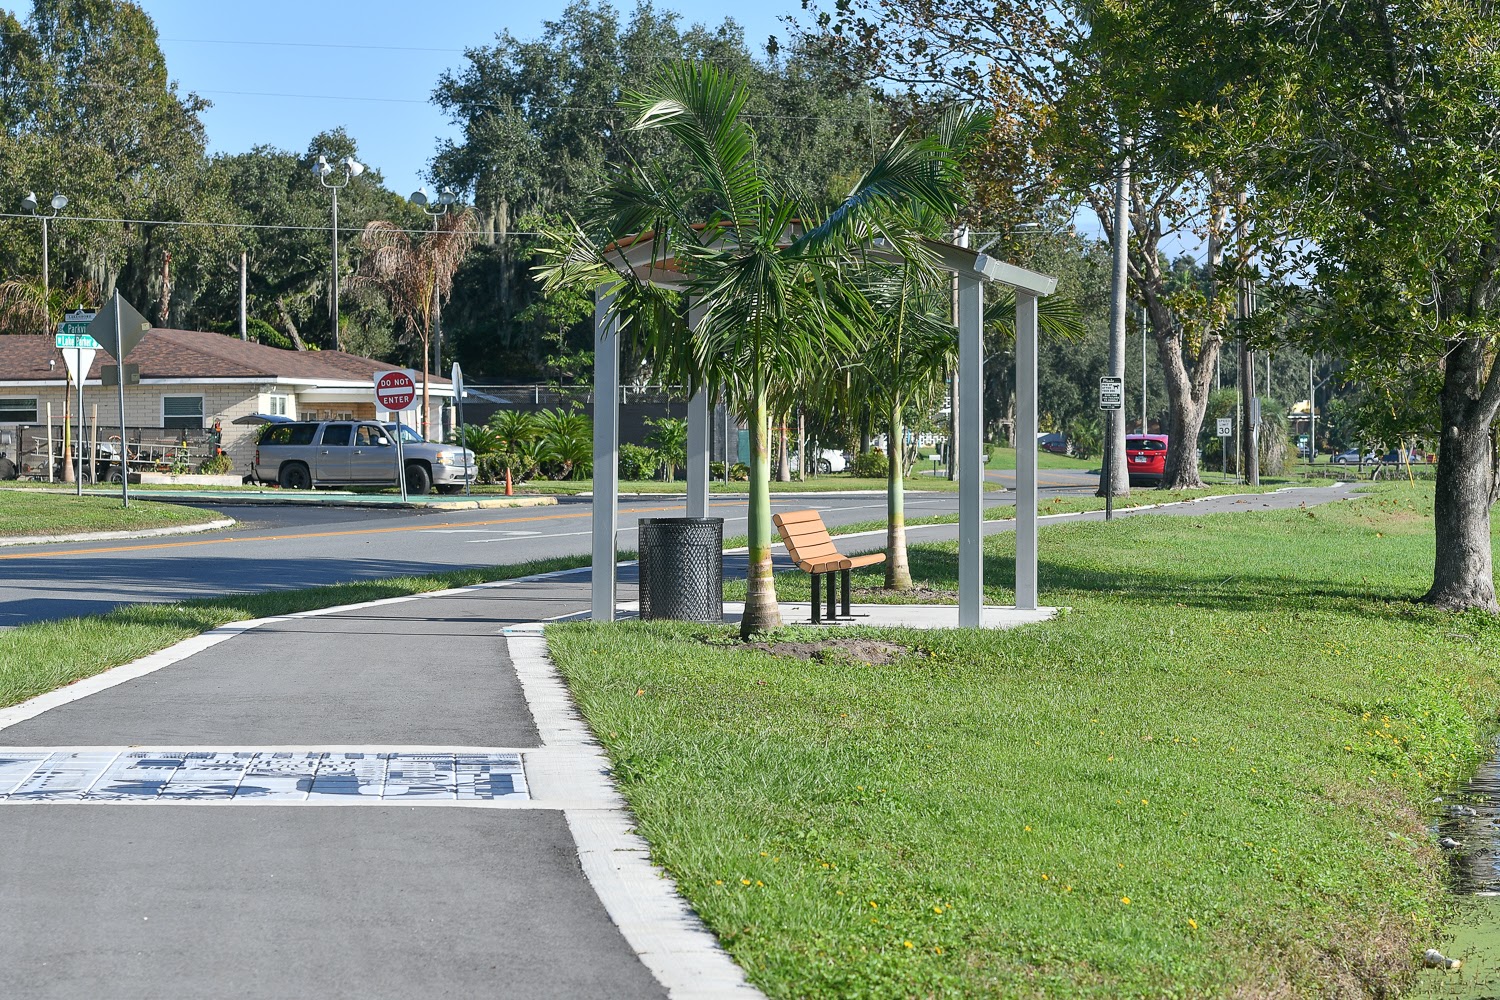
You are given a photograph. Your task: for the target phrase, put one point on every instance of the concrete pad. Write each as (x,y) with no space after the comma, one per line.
(921,616)
(289,903)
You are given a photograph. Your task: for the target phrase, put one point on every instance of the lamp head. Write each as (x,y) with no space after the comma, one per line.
(29,202)
(353,166)
(59,201)
(419,197)
(448,197)
(321,168)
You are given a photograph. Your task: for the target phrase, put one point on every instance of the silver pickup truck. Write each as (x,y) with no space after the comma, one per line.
(306,454)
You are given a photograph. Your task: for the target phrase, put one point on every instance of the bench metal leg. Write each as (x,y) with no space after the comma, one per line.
(817,598)
(833,608)
(844,588)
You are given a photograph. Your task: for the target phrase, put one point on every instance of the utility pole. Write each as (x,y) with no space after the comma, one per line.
(1116,481)
(1244,309)
(244,334)
(1312,414)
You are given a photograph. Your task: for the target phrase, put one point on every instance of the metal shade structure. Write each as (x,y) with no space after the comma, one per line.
(641,259)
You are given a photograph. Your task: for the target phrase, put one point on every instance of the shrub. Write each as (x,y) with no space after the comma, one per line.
(669,437)
(639,462)
(872,465)
(216,465)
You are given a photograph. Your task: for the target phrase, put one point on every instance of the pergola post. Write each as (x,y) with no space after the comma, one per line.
(970,450)
(1026,427)
(697,440)
(606,454)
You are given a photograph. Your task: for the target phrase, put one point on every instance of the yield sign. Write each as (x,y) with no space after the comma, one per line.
(79,360)
(118,315)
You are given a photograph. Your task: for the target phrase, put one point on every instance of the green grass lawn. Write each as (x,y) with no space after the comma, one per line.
(835,482)
(34,512)
(1005,458)
(1206,779)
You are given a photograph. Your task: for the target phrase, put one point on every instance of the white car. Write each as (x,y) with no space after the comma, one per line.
(825,461)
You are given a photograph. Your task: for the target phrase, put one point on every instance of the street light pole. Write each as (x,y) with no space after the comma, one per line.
(59,202)
(352,169)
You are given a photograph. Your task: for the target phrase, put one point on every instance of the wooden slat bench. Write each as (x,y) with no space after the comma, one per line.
(808,543)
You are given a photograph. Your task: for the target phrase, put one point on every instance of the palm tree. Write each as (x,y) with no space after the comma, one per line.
(416,275)
(515,431)
(764,267)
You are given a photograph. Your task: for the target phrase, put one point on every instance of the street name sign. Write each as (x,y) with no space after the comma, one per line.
(1112,392)
(1226,427)
(118,315)
(395,391)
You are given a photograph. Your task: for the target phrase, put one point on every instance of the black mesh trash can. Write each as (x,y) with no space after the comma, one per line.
(682,568)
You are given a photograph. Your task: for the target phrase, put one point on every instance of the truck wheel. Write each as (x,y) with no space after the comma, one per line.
(294,476)
(418,479)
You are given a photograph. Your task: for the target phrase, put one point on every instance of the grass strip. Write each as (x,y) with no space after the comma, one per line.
(1207,779)
(39,657)
(36,513)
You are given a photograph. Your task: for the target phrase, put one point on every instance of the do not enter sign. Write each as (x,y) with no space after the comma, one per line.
(395,390)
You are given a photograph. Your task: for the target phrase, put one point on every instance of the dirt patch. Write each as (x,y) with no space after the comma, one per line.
(919,594)
(859,650)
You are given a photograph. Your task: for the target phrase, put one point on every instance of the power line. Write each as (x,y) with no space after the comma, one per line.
(224,225)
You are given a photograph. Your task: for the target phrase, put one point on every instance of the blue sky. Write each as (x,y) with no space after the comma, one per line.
(369,66)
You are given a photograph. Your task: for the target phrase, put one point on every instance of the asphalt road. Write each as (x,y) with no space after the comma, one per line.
(292,547)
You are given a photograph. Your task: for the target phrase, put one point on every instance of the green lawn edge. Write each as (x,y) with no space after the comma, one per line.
(36,513)
(1236,728)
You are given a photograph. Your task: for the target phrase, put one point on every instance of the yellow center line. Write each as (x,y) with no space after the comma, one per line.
(325,534)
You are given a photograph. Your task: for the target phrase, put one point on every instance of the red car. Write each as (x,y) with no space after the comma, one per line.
(1146,458)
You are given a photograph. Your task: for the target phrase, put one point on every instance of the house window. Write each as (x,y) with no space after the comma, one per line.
(182,413)
(18,410)
(277,406)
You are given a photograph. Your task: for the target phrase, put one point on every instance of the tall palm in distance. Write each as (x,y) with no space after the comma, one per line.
(416,276)
(770,273)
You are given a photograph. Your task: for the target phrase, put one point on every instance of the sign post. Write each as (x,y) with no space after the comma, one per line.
(396,391)
(78,355)
(118,328)
(1226,431)
(463,436)
(1111,401)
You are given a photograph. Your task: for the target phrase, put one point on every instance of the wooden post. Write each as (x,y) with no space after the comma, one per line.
(49,443)
(93,442)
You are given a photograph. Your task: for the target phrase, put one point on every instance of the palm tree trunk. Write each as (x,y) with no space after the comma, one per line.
(784,468)
(761,611)
(426,403)
(897,571)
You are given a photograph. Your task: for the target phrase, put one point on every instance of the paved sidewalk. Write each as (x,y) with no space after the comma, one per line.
(146,899)
(329,806)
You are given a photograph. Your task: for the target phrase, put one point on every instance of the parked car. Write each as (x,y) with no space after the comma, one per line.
(1351,456)
(827,460)
(301,455)
(1146,458)
(1055,443)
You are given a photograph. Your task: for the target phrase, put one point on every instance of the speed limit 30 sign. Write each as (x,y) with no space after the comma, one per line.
(395,391)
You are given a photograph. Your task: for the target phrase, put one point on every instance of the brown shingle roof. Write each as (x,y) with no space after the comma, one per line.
(189,354)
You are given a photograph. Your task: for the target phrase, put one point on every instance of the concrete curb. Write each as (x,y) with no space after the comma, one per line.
(104,536)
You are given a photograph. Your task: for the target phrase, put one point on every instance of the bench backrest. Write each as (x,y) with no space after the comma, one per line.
(807,541)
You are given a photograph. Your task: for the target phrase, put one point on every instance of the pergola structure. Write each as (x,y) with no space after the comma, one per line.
(973,270)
